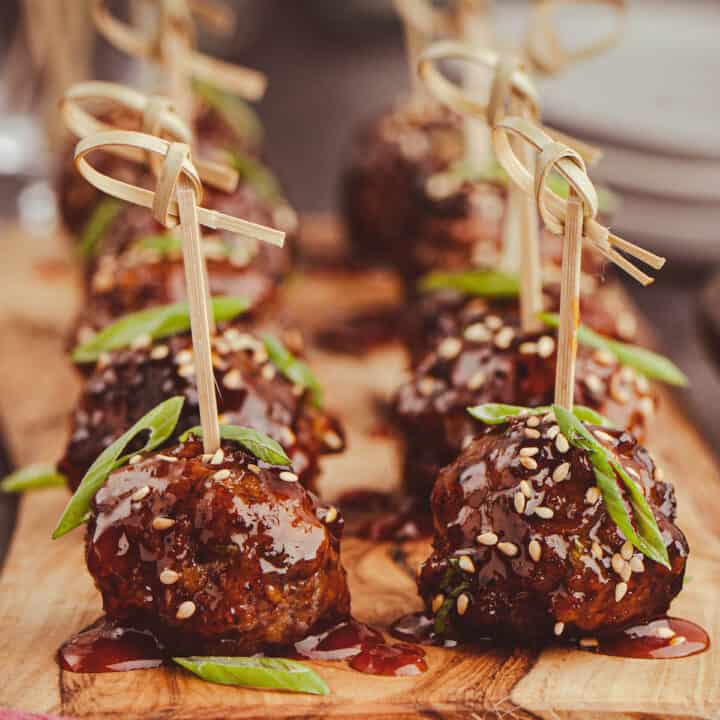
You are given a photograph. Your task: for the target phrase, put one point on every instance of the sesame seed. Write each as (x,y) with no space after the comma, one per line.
(233,380)
(184,357)
(253,468)
(528,348)
(617,563)
(477,332)
(604,357)
(626,325)
(627,550)
(334,442)
(531,434)
(466,441)
(135,459)
(592,495)
(449,348)
(186,610)
(546,346)
(659,473)
(589,642)
(559,628)
(508,548)
(493,322)
(331,515)
(462,603)
(186,371)
(642,384)
(665,632)
(140,493)
(141,341)
(637,564)
(519,502)
(104,359)
(595,384)
(162,523)
(596,550)
(477,380)
(626,572)
(677,640)
(487,538)
(619,394)
(206,458)
(604,437)
(535,550)
(552,432)
(330,438)
(526,488)
(529,451)
(166,458)
(426,386)
(561,472)
(159,352)
(544,512)
(620,591)
(533,421)
(268,372)
(169,577)
(221,474)
(528,463)
(437,602)
(504,338)
(561,443)
(646,406)
(218,457)
(288,476)
(466,564)
(549,417)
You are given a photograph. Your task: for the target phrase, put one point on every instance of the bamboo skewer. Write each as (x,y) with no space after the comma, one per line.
(569,303)
(176,200)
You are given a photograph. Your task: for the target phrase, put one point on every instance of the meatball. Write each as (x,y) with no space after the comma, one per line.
(524,547)
(492,361)
(407,200)
(128,383)
(142,277)
(218,555)
(438,314)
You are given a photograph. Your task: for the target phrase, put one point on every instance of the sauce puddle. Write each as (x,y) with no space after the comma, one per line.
(665,638)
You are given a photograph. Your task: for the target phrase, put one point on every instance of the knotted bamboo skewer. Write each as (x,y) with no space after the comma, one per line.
(176,200)
(173,47)
(156,117)
(573,218)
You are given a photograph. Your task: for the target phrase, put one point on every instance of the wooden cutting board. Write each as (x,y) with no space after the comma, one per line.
(46,593)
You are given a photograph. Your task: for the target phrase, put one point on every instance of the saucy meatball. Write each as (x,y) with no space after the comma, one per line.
(408,201)
(218,555)
(128,383)
(493,362)
(524,548)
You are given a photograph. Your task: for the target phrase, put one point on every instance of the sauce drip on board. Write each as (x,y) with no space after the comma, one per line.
(665,638)
(107,646)
(366,650)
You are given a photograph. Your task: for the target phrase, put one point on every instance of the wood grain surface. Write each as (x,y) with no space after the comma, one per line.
(46,594)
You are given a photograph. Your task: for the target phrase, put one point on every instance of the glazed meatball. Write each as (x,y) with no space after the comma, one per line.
(218,555)
(142,278)
(439,314)
(128,383)
(524,548)
(406,203)
(493,362)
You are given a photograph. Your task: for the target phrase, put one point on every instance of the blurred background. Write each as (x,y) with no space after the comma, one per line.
(653,103)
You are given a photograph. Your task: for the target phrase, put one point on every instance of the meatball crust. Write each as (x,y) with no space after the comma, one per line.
(128,383)
(546,558)
(406,202)
(220,555)
(439,314)
(493,362)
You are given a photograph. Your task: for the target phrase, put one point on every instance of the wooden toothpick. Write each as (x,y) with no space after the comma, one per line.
(569,303)
(200,314)
(175,44)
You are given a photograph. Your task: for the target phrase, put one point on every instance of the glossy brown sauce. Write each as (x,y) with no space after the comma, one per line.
(647,641)
(419,627)
(109,647)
